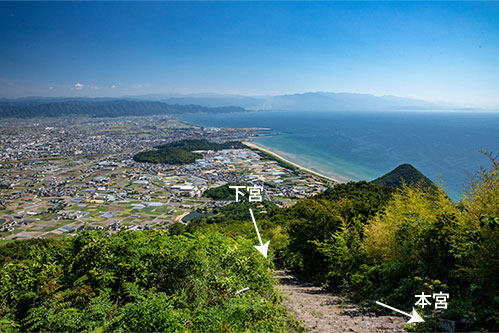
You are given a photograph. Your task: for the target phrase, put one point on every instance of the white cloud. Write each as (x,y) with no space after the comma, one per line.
(113,86)
(79,86)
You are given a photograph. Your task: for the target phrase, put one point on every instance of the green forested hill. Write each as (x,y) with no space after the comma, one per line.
(405,174)
(168,155)
(181,152)
(107,108)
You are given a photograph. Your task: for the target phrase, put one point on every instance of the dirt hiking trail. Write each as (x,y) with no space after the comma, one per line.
(320,311)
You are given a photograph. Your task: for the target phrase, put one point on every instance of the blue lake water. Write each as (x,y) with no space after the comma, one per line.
(365,145)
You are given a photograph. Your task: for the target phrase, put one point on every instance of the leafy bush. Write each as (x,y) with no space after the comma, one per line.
(139,281)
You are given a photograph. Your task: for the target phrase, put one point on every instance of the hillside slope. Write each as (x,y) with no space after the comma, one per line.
(404,174)
(137,282)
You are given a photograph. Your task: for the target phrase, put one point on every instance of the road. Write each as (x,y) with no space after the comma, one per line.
(320,311)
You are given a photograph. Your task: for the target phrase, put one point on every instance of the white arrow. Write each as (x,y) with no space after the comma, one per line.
(263,248)
(415,317)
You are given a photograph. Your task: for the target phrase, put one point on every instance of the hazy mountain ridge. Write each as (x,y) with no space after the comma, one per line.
(324,101)
(27,108)
(310,101)
(314,101)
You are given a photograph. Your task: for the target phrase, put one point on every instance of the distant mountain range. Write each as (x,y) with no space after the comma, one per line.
(176,103)
(311,101)
(27,108)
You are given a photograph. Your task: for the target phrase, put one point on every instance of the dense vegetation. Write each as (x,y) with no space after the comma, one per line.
(386,244)
(106,108)
(405,174)
(137,281)
(181,152)
(168,155)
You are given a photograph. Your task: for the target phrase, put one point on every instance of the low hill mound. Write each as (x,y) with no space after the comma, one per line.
(404,174)
(182,152)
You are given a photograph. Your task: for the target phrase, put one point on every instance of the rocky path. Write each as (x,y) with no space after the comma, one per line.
(321,311)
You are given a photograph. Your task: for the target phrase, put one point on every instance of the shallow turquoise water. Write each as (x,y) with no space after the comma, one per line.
(365,145)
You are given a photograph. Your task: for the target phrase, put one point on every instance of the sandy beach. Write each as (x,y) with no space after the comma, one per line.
(252,145)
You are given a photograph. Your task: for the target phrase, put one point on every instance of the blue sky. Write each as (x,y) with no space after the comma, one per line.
(439,51)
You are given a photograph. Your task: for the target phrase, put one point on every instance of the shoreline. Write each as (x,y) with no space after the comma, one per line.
(299,167)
